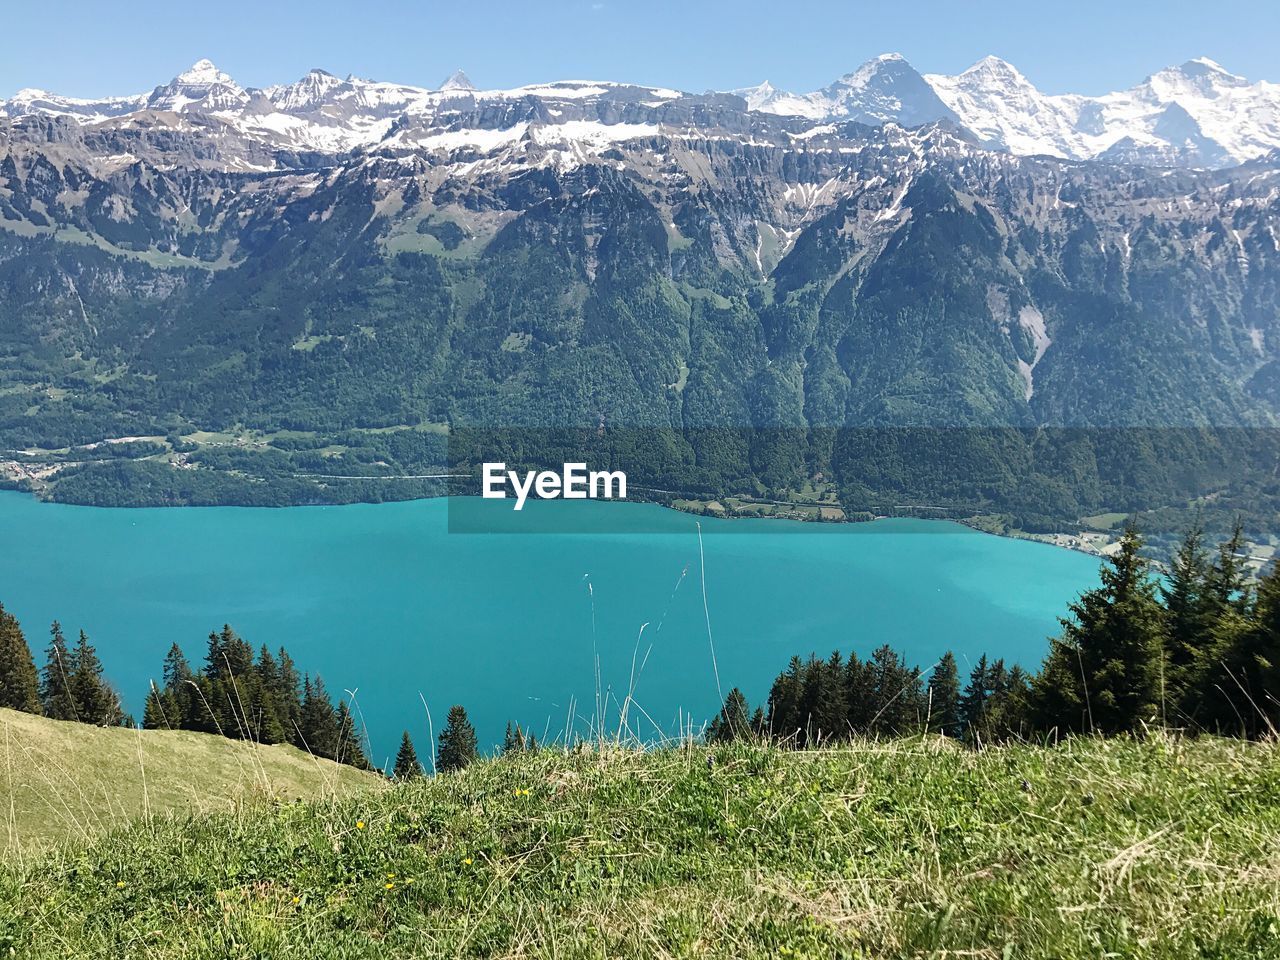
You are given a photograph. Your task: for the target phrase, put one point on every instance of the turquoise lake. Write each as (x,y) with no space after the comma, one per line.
(382,599)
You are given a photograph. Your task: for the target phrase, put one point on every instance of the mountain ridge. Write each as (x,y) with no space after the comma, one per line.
(1196,114)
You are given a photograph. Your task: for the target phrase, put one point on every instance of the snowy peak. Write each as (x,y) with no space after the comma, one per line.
(201,87)
(1200,77)
(458,82)
(1196,114)
(886,89)
(992,70)
(313,90)
(202,72)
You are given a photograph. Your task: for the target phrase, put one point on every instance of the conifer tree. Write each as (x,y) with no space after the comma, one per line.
(154,715)
(288,692)
(785,721)
(407,766)
(19,684)
(457,741)
(55,677)
(95,701)
(897,695)
(318,722)
(826,701)
(214,661)
(944,697)
(974,700)
(1191,609)
(181,706)
(1106,668)
(350,745)
(1241,682)
(859,693)
(267,713)
(733,721)
(514,740)
(1228,577)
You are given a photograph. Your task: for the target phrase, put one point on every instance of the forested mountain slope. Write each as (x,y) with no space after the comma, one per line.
(675,265)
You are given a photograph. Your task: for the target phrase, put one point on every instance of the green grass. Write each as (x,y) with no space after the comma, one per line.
(1162,848)
(70,782)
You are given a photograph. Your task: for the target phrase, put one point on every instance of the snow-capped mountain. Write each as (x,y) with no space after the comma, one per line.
(885,89)
(1197,114)
(1194,115)
(203,87)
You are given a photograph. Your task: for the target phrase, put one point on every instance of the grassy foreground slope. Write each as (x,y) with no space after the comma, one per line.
(71,781)
(1162,848)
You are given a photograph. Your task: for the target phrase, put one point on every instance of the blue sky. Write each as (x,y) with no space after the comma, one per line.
(91,48)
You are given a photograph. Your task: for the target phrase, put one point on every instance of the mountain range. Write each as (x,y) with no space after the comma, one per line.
(207,286)
(1197,114)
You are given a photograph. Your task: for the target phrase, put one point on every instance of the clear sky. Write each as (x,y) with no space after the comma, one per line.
(93,48)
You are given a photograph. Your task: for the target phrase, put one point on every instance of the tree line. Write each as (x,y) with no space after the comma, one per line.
(235,693)
(1196,650)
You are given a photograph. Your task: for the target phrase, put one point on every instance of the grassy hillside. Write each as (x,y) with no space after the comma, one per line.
(1162,848)
(71,781)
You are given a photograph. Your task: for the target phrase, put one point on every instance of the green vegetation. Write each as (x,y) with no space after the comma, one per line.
(234,695)
(1199,653)
(64,782)
(1156,848)
(407,766)
(457,741)
(887,366)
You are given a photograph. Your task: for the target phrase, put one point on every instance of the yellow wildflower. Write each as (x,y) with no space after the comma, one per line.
(467,861)
(359,824)
(119,884)
(391,886)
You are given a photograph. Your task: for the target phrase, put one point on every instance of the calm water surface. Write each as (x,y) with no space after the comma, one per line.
(384,600)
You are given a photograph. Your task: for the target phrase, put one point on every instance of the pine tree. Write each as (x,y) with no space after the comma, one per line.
(785,720)
(288,692)
(1241,683)
(944,697)
(181,705)
(733,721)
(457,741)
(859,694)
(154,714)
(95,702)
(19,684)
(1191,608)
(318,723)
(350,745)
(55,677)
(1109,660)
(267,714)
(974,700)
(1228,577)
(514,740)
(214,662)
(897,696)
(407,766)
(237,655)
(829,704)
